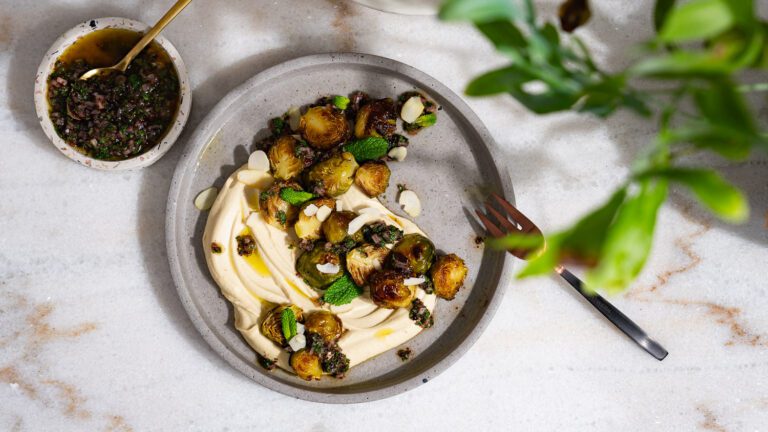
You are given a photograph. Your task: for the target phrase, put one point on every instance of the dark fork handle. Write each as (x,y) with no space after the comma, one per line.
(616,317)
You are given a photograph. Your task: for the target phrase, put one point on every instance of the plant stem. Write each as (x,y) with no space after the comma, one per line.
(749,88)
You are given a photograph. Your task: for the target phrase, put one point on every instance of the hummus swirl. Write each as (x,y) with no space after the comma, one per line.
(256,283)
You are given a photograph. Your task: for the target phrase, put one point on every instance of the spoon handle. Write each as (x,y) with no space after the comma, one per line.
(152,33)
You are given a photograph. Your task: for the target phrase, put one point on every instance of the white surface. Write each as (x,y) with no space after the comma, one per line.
(93,337)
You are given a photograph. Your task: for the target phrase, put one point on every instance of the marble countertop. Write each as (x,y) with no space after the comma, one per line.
(93,336)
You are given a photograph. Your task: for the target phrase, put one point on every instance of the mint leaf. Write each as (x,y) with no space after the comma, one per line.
(342,291)
(366,149)
(295,197)
(288,321)
(340,102)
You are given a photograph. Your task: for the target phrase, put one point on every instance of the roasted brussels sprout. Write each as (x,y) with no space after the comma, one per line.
(282,158)
(364,260)
(388,289)
(308,227)
(306,365)
(448,273)
(333,176)
(307,264)
(324,127)
(413,254)
(276,211)
(272,326)
(336,226)
(377,118)
(373,178)
(324,323)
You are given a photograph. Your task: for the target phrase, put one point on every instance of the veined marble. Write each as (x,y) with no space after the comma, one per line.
(93,337)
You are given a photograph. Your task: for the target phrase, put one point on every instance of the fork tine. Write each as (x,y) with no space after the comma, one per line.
(510,227)
(493,229)
(515,213)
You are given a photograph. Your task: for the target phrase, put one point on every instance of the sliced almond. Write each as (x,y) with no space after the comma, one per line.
(323,212)
(258,179)
(412,109)
(294,117)
(258,161)
(327,268)
(310,210)
(358,222)
(339,206)
(414,281)
(398,153)
(204,200)
(297,342)
(410,203)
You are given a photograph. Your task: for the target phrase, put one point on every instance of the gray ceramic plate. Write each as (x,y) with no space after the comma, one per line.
(449,165)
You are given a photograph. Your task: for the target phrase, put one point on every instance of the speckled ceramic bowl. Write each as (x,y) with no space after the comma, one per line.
(450,165)
(403,7)
(42,107)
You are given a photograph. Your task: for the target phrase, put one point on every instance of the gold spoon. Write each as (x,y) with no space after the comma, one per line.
(122,65)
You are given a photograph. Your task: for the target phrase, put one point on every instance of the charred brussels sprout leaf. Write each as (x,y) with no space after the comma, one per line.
(272,326)
(307,264)
(366,149)
(413,254)
(377,118)
(295,197)
(364,260)
(306,365)
(333,176)
(342,291)
(323,127)
(336,227)
(373,178)
(388,289)
(447,274)
(275,210)
(325,324)
(283,160)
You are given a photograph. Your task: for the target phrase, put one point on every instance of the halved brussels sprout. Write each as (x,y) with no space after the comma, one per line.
(325,324)
(413,253)
(333,176)
(307,263)
(373,178)
(448,273)
(276,211)
(377,118)
(272,326)
(282,158)
(388,289)
(364,260)
(336,226)
(324,127)
(306,365)
(308,227)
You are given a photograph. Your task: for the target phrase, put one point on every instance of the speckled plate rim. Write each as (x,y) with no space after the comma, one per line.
(188,163)
(41,90)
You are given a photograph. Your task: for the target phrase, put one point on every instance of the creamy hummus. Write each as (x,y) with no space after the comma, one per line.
(256,283)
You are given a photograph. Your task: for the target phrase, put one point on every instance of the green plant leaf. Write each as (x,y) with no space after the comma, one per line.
(502,80)
(366,149)
(288,323)
(696,20)
(714,192)
(682,64)
(477,11)
(516,241)
(660,12)
(629,238)
(295,197)
(342,291)
(505,36)
(743,12)
(721,104)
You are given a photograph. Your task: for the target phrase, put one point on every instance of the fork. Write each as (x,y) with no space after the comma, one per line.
(511,220)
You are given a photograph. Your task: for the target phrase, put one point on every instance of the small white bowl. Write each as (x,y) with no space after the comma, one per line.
(41,100)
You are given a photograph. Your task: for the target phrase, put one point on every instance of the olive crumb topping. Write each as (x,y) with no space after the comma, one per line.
(404,354)
(265,362)
(246,244)
(421,315)
(215,248)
